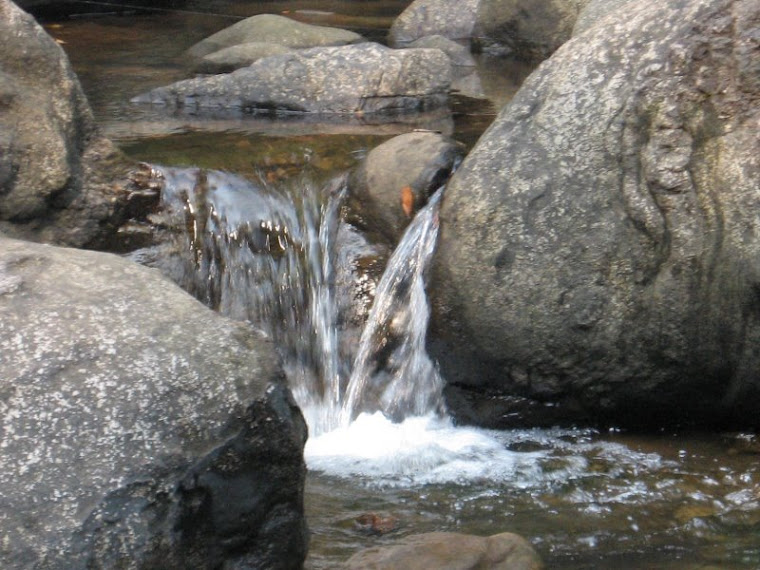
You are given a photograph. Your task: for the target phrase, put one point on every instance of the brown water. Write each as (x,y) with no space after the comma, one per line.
(584,499)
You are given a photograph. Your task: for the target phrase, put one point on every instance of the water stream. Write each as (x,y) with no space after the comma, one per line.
(276,253)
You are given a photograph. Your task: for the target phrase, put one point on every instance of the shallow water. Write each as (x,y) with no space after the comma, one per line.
(584,499)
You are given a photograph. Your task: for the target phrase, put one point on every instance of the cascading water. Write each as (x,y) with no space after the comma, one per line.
(283,259)
(273,257)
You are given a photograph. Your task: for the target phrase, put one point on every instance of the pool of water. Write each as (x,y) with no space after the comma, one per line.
(585,499)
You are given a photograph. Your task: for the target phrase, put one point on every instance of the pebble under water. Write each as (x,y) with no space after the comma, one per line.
(585,499)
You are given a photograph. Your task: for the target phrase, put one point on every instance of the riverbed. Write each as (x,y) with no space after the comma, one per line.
(584,498)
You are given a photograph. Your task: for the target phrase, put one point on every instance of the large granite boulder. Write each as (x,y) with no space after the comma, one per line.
(599,247)
(357,79)
(138,428)
(271,28)
(527,29)
(453,19)
(450,551)
(60,180)
(396,179)
(595,11)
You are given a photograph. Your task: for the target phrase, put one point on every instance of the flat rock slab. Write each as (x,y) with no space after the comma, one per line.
(360,79)
(271,28)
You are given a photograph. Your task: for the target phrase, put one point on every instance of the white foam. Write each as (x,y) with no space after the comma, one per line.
(417,451)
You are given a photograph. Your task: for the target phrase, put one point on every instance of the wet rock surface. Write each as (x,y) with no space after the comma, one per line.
(597,247)
(60,180)
(139,429)
(396,179)
(450,551)
(359,79)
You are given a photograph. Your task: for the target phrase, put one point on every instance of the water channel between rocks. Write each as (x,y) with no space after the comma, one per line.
(584,499)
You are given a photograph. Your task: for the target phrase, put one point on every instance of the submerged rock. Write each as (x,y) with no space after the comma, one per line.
(237,56)
(527,29)
(450,551)
(366,78)
(396,179)
(453,19)
(598,246)
(139,429)
(274,29)
(60,180)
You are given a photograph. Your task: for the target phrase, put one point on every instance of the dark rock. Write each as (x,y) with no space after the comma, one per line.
(61,180)
(274,29)
(598,246)
(450,551)
(458,54)
(453,19)
(237,56)
(396,179)
(358,79)
(527,29)
(139,429)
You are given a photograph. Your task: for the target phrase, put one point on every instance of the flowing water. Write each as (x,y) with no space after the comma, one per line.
(266,244)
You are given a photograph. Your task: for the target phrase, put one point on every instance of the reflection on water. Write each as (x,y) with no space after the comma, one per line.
(585,500)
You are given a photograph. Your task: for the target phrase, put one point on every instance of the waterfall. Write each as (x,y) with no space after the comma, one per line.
(282,259)
(392,372)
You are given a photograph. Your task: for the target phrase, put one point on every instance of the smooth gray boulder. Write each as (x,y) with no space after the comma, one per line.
(237,56)
(450,551)
(274,29)
(459,55)
(526,29)
(359,79)
(453,19)
(396,179)
(60,180)
(599,248)
(138,428)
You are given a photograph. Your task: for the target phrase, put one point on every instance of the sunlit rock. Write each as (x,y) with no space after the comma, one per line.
(138,428)
(396,179)
(271,28)
(595,11)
